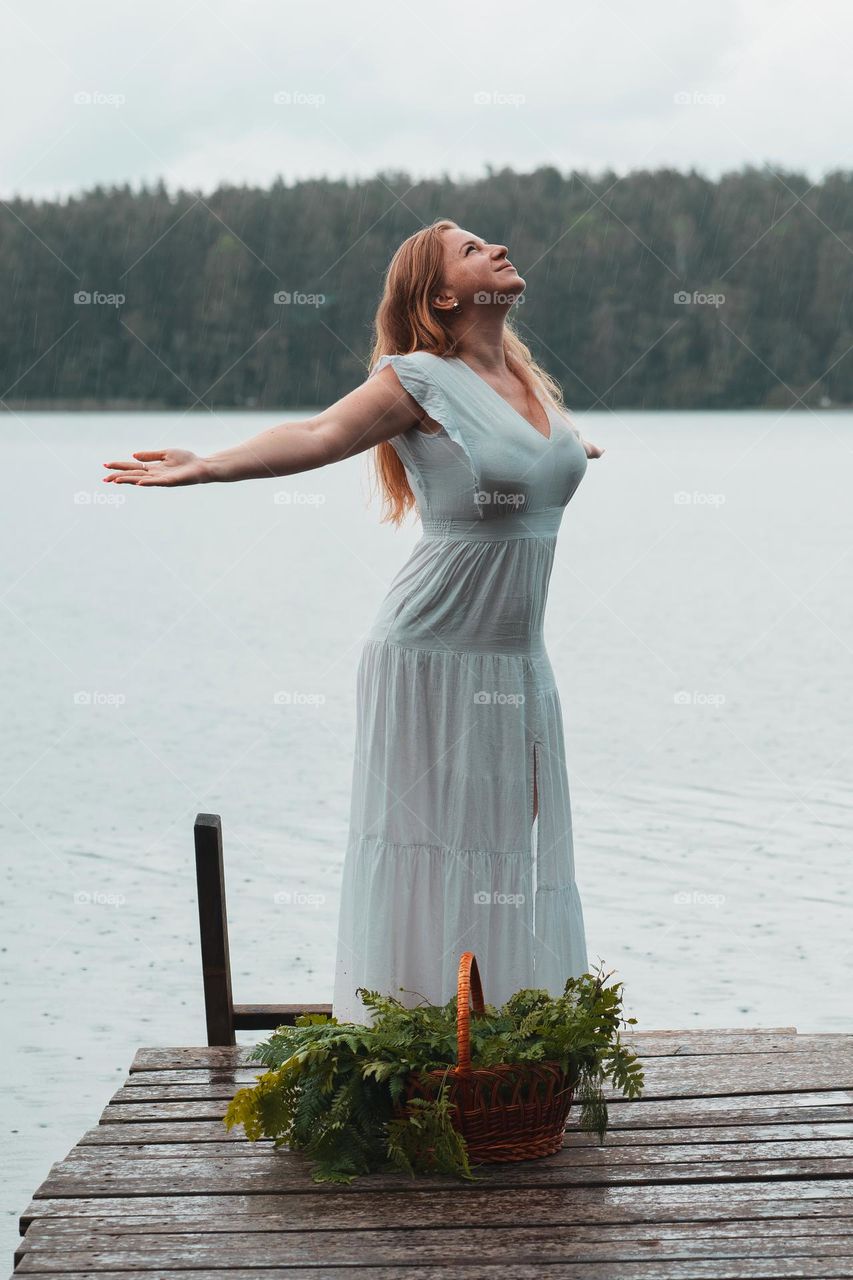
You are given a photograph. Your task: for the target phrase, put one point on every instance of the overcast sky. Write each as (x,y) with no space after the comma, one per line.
(199,92)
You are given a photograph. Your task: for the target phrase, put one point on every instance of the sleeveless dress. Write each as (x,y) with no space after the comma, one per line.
(456,704)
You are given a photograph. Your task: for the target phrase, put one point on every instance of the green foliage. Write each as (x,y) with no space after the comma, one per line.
(333,1089)
(607,254)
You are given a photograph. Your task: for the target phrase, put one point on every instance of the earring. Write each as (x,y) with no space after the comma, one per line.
(457,306)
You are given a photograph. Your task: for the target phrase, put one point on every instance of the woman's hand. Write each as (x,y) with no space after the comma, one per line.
(592,450)
(161,467)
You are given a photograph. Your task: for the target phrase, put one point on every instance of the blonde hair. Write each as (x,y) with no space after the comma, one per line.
(405,322)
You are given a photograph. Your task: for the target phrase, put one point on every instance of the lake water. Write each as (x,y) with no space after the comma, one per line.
(699,624)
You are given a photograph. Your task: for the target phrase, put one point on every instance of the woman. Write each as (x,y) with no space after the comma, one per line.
(460,824)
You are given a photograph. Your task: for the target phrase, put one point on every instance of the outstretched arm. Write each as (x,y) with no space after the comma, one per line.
(377,410)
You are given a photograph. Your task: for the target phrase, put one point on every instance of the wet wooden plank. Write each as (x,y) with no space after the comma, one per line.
(726,1074)
(579,1155)
(178,1057)
(205,1131)
(201,1109)
(203,1090)
(691,1076)
(247,1072)
(762,1108)
(198,1131)
(818,1105)
(237,1076)
(677,1233)
(475,1243)
(646,1043)
(814,1197)
(282,1171)
(820,1267)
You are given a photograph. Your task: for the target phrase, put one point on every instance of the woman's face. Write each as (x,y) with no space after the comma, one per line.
(473,269)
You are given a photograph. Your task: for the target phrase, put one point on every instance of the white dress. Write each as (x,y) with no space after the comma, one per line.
(455,694)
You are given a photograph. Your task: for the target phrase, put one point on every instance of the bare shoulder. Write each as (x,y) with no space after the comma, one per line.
(423,423)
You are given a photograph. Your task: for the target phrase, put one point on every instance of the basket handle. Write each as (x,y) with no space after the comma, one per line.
(468,986)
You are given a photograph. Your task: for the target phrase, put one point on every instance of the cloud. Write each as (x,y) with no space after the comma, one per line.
(204,92)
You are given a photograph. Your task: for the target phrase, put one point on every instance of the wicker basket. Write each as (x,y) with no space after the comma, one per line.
(505,1112)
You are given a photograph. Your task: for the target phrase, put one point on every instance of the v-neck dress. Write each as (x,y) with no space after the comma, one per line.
(456,702)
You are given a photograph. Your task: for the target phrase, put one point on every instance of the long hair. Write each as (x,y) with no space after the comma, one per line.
(405,321)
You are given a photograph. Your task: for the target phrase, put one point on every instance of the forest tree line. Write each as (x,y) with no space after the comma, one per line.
(654,290)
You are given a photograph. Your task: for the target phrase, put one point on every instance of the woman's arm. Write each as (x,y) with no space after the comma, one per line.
(373,412)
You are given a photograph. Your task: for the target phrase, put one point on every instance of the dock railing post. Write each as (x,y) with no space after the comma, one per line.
(213,924)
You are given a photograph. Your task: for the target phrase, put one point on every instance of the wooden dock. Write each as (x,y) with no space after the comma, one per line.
(736,1163)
